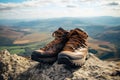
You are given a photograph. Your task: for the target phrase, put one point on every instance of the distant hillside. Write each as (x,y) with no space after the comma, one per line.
(102,49)
(111,35)
(93,25)
(65,21)
(9,34)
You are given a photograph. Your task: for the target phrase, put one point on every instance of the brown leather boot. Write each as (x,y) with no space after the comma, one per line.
(49,53)
(75,51)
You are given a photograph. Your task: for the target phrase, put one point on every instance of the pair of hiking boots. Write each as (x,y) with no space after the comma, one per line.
(68,48)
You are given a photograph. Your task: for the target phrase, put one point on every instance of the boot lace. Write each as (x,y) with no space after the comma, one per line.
(77,39)
(59,35)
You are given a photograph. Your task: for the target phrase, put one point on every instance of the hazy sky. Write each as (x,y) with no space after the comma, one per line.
(34,9)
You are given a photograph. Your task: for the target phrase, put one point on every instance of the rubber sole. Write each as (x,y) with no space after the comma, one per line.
(44,59)
(64,60)
(73,63)
(47,60)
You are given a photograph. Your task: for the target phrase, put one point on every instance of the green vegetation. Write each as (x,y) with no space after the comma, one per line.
(25,49)
(37,40)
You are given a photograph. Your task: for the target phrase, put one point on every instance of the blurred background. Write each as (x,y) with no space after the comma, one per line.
(26,25)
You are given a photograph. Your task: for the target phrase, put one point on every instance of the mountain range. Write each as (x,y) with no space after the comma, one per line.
(102,20)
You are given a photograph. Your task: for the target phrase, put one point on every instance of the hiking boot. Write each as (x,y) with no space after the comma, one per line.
(49,53)
(75,50)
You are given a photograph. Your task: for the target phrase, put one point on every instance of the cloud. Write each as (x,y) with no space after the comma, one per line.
(25,4)
(8,6)
(59,8)
(71,6)
(113,4)
(43,3)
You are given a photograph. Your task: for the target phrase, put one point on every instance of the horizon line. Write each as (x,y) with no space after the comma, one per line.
(57,18)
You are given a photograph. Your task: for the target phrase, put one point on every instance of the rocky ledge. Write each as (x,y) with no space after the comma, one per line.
(14,67)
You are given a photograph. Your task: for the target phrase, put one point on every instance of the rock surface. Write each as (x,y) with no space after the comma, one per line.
(14,67)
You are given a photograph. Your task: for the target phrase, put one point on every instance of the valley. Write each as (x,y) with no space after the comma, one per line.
(22,37)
